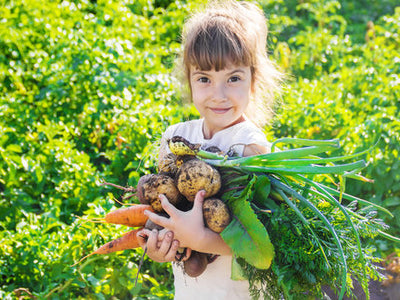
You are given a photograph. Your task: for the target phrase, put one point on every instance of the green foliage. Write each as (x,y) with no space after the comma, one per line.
(85,97)
(86,92)
(298,263)
(352,95)
(246,235)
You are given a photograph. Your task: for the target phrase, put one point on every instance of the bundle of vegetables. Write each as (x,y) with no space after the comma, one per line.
(179,180)
(291,231)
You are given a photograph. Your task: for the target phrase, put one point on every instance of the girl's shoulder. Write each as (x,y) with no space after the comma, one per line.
(234,139)
(251,134)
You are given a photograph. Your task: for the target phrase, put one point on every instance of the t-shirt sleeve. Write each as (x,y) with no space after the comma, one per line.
(169,132)
(251,135)
(258,137)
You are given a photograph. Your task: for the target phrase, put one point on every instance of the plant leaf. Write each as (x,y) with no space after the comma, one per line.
(246,235)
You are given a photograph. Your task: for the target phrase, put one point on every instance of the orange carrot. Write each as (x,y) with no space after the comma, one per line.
(127,241)
(132,216)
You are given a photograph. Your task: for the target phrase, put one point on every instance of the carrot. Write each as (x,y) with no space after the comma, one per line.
(127,241)
(132,216)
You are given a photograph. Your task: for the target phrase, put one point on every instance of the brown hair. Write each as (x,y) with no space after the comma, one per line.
(232,32)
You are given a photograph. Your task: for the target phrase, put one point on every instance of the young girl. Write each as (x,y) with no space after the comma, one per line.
(232,83)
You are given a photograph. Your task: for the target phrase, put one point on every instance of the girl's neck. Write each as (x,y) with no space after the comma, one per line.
(210,131)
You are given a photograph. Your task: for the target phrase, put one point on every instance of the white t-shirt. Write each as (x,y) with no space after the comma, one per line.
(231,138)
(215,283)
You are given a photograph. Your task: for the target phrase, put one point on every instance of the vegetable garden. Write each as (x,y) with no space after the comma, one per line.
(86,92)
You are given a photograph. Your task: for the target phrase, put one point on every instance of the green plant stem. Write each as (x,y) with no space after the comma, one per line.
(389,237)
(276,156)
(305,142)
(337,169)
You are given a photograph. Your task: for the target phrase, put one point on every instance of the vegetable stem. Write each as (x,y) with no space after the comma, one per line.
(305,142)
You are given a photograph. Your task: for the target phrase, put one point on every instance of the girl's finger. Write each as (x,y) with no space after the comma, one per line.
(142,236)
(152,240)
(198,201)
(170,256)
(166,243)
(167,206)
(161,234)
(144,233)
(159,220)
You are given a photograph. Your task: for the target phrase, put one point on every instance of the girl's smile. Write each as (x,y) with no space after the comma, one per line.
(220,110)
(221,97)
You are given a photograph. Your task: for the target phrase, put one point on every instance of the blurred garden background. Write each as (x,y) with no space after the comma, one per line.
(86,92)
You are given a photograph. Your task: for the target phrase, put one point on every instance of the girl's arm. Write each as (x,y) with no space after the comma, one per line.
(188,227)
(255,149)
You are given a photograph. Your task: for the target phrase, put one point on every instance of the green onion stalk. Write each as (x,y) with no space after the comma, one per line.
(294,229)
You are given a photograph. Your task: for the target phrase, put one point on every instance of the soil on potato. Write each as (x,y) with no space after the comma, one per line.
(196,175)
(153,185)
(216,214)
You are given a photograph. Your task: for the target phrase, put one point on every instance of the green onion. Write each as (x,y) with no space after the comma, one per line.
(305,142)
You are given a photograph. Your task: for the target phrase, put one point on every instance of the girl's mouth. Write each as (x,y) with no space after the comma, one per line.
(219,110)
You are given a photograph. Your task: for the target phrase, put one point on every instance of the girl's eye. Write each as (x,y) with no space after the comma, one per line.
(234,79)
(203,80)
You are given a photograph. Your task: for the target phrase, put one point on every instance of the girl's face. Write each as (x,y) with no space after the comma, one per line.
(221,97)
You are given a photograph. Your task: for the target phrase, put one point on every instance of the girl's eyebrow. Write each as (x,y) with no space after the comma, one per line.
(237,71)
(200,72)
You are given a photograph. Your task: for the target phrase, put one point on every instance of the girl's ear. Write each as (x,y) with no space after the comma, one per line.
(253,81)
(190,93)
(189,85)
(253,87)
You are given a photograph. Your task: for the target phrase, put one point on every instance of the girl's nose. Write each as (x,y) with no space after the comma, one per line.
(220,93)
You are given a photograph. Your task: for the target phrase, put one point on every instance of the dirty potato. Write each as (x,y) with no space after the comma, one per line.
(152,185)
(216,214)
(195,175)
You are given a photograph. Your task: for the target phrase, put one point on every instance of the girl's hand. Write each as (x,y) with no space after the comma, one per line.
(161,246)
(188,227)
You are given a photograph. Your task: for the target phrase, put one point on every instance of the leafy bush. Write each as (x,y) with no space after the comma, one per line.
(86,93)
(349,91)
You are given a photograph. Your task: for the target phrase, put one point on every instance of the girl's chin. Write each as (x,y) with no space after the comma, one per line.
(220,124)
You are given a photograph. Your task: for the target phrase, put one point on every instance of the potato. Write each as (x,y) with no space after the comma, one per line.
(196,264)
(196,175)
(216,214)
(143,181)
(181,159)
(151,186)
